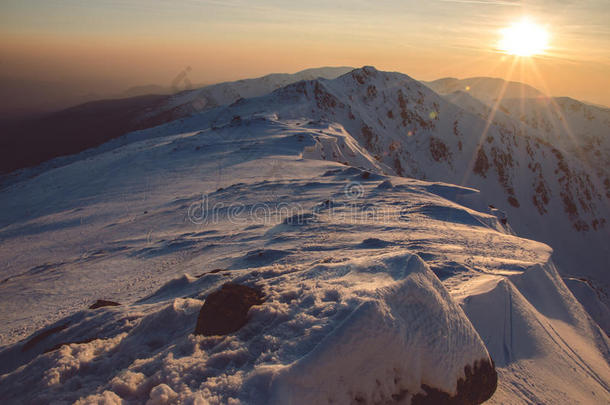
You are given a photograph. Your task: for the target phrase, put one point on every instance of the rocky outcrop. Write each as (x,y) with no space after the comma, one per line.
(478,385)
(103,303)
(226,310)
(39,337)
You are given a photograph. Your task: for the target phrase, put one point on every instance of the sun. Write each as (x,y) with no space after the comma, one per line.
(524,38)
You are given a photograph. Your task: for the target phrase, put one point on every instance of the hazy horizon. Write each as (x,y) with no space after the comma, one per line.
(88,51)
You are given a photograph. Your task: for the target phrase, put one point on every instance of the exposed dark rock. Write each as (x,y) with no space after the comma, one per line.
(226,310)
(369,137)
(503,161)
(371,91)
(324,99)
(386,184)
(375,243)
(331,172)
(34,340)
(439,150)
(542,196)
(478,386)
(103,303)
(481,165)
(513,201)
(209,272)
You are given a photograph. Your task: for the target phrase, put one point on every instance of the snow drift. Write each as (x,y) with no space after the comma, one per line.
(369,331)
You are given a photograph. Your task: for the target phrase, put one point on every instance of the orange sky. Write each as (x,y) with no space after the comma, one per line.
(107,47)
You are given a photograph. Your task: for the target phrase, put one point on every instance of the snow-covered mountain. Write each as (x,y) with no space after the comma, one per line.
(374,287)
(581,129)
(200,99)
(576,131)
(487,89)
(33,141)
(547,192)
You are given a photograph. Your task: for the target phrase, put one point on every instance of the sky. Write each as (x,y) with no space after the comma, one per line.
(100,48)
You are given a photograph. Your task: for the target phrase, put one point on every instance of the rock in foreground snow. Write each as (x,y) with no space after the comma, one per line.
(372,330)
(404,334)
(226,310)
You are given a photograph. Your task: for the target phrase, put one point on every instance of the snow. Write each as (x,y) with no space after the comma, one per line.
(374,284)
(591,301)
(359,305)
(407,319)
(226,93)
(534,328)
(578,134)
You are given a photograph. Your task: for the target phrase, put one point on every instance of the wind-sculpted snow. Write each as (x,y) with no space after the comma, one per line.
(530,323)
(547,191)
(567,144)
(205,98)
(361,330)
(362,274)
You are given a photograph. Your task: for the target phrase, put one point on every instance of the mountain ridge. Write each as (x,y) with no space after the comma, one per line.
(329,103)
(357,267)
(448,150)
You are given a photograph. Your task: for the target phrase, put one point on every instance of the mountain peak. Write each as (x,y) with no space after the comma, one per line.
(363,73)
(369,69)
